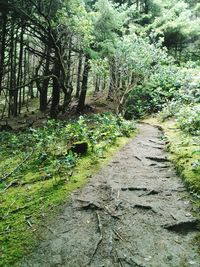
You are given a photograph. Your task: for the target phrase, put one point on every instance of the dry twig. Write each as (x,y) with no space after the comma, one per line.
(17,167)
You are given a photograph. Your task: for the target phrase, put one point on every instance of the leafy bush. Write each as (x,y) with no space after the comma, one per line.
(170,110)
(161,87)
(166,83)
(188,119)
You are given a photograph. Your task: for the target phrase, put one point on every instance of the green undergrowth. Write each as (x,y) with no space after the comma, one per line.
(38,171)
(184,151)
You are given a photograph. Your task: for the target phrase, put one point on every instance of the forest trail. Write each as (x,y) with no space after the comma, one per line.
(133,212)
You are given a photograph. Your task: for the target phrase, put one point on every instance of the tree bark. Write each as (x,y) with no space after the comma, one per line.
(112,85)
(20,65)
(45,84)
(55,92)
(3,48)
(78,86)
(81,103)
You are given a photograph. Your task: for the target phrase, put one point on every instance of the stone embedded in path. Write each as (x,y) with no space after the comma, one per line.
(184,226)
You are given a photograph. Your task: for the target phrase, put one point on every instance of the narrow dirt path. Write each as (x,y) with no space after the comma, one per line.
(134,212)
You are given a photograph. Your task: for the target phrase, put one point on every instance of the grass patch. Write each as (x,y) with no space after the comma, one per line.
(184,152)
(183,148)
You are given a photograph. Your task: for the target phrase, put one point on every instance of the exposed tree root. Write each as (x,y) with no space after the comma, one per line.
(151,192)
(158,159)
(100,228)
(132,188)
(138,158)
(89,205)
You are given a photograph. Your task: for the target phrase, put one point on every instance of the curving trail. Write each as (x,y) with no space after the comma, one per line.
(134,212)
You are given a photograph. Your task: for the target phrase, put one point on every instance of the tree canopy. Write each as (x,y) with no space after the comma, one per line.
(54,49)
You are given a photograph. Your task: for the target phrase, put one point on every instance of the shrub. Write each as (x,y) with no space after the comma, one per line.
(188,119)
(162,86)
(170,110)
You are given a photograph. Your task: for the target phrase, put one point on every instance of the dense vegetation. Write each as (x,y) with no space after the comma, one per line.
(143,56)
(56,50)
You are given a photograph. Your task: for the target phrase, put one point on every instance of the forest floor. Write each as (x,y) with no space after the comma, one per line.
(133,212)
(32,117)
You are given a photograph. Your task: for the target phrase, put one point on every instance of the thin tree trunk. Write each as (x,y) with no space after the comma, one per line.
(81,103)
(97,84)
(78,86)
(15,92)
(12,74)
(20,64)
(69,88)
(3,48)
(45,84)
(55,92)
(112,85)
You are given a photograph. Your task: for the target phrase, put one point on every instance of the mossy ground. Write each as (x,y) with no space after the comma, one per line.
(182,148)
(26,206)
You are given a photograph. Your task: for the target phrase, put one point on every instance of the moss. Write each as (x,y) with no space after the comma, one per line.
(23,207)
(182,149)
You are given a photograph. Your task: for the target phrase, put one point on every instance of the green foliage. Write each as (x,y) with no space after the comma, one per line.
(185,154)
(175,21)
(100,67)
(188,119)
(137,55)
(108,20)
(185,104)
(162,83)
(169,111)
(162,86)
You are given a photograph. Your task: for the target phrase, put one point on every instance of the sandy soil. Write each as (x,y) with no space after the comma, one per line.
(134,212)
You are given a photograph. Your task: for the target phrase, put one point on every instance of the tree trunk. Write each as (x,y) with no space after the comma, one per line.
(97,84)
(69,88)
(15,92)
(12,72)
(55,92)
(45,84)
(3,47)
(20,65)
(78,86)
(81,103)
(112,85)
(43,98)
